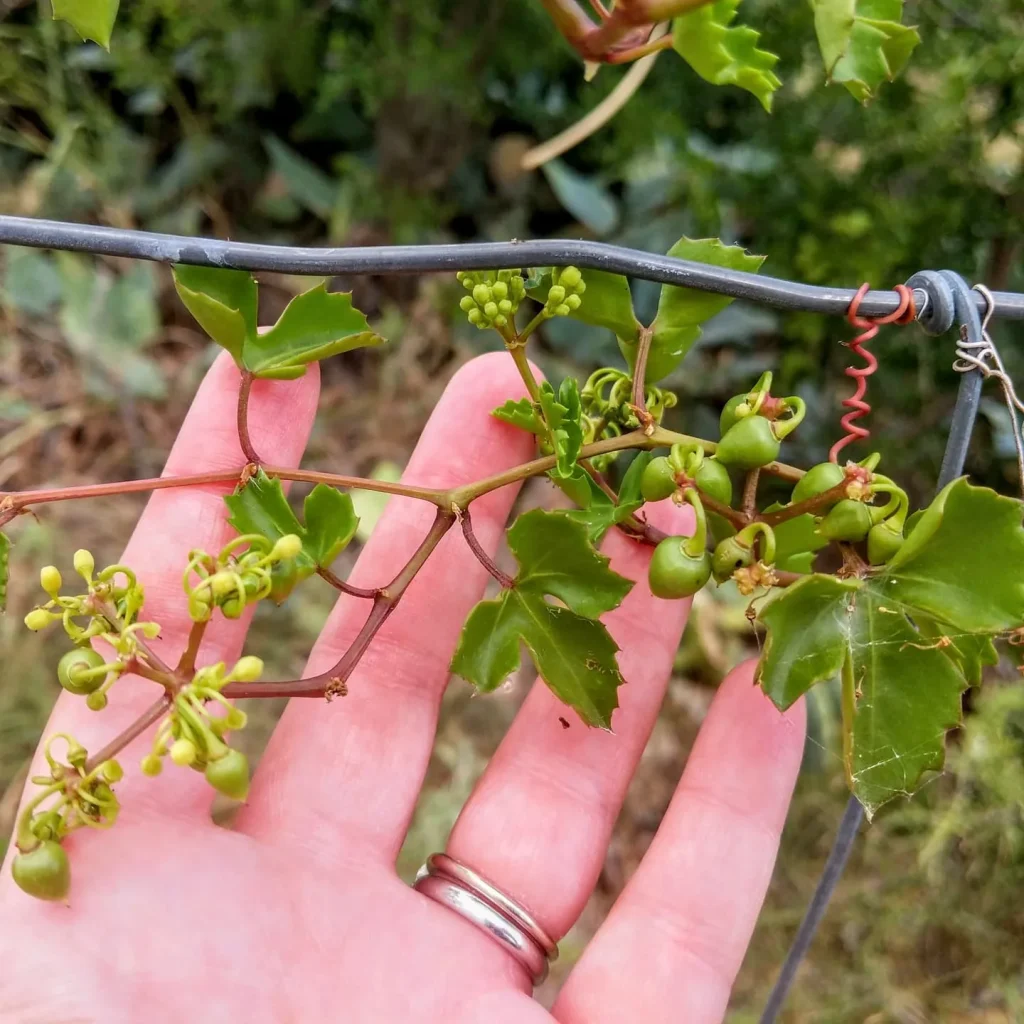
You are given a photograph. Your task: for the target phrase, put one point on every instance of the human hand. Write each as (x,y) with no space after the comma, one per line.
(296,913)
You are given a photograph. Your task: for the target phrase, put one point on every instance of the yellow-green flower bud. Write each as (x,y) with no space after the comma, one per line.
(556,295)
(288,546)
(84,563)
(570,277)
(96,701)
(482,294)
(491,310)
(183,752)
(466,303)
(562,310)
(475,316)
(499,290)
(573,301)
(151,765)
(112,771)
(39,618)
(505,306)
(247,669)
(50,578)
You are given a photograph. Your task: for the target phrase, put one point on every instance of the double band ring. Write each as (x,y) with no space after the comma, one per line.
(460,888)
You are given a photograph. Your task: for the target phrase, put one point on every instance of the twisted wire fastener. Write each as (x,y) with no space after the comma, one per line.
(984,357)
(904,314)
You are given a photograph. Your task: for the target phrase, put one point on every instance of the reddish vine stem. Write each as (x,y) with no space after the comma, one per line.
(639,396)
(187,663)
(482,557)
(345,587)
(244,387)
(750,494)
(333,681)
(727,512)
(811,505)
(152,714)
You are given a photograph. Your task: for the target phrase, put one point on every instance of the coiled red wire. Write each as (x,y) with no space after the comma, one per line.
(905,313)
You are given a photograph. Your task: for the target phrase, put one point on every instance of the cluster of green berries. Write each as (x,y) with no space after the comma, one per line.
(565,295)
(248,569)
(74,795)
(494,296)
(753,426)
(107,610)
(192,737)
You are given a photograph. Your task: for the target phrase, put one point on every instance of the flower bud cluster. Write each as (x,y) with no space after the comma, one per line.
(494,296)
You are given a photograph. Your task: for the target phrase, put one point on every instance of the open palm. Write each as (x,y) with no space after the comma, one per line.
(296,914)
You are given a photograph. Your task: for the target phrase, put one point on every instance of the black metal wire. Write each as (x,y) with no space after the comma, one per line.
(965,413)
(415,259)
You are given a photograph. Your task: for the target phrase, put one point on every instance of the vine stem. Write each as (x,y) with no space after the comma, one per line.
(152,714)
(333,681)
(482,557)
(811,505)
(244,388)
(749,506)
(187,663)
(344,586)
(639,396)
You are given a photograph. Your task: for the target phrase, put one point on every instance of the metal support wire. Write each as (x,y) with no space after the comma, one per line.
(416,259)
(965,412)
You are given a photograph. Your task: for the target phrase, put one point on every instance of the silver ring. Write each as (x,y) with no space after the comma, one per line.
(479,901)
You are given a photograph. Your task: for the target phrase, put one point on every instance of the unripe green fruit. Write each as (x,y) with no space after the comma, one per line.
(222,583)
(817,480)
(884,540)
(230,774)
(713,479)
(283,578)
(81,658)
(749,444)
(658,481)
(232,608)
(729,556)
(96,701)
(43,872)
(848,521)
(673,573)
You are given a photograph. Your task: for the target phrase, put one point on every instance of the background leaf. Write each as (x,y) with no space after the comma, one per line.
(91,19)
(590,203)
(863,43)
(725,54)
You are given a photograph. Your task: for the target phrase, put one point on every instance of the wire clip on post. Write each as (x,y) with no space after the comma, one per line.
(905,313)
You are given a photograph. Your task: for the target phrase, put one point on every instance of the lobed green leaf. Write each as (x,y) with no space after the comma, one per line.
(725,54)
(91,19)
(863,42)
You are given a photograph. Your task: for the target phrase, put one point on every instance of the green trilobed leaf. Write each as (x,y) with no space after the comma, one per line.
(863,42)
(607,302)
(563,414)
(91,19)
(223,302)
(261,507)
(314,325)
(964,562)
(681,310)
(572,651)
(907,689)
(725,54)
(520,414)
(5,569)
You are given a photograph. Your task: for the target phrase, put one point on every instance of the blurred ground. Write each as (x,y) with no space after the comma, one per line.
(928,924)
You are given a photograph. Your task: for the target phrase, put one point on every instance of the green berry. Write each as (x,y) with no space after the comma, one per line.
(673,573)
(817,480)
(658,481)
(729,555)
(43,872)
(730,412)
(884,540)
(73,664)
(713,479)
(848,521)
(96,701)
(229,774)
(748,444)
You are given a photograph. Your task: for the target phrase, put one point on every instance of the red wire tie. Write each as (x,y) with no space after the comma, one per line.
(905,313)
